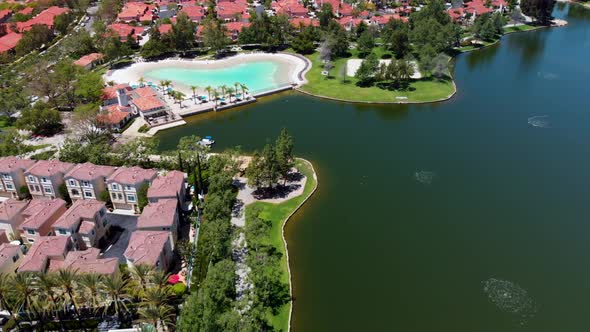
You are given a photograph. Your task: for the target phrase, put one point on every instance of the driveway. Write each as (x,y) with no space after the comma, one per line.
(128,224)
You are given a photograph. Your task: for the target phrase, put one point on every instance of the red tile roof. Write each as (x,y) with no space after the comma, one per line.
(165,28)
(44,248)
(86,227)
(5,13)
(40,212)
(167,186)
(195,13)
(132,11)
(86,262)
(114,114)
(46,17)
(145,104)
(477,7)
(132,175)
(110,92)
(160,214)
(236,26)
(9,41)
(81,209)
(89,172)
(145,91)
(10,164)
(49,168)
(10,208)
(123,30)
(26,11)
(88,59)
(3,236)
(145,247)
(7,251)
(306,21)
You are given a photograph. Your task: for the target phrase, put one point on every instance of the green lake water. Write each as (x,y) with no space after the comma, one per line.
(256,75)
(503,192)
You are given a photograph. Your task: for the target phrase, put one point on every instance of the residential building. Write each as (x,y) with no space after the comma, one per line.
(161,216)
(148,103)
(111,95)
(8,42)
(11,217)
(88,61)
(46,17)
(45,177)
(152,248)
(3,237)
(115,116)
(87,181)
(170,186)
(86,262)
(84,222)
(5,15)
(124,184)
(123,30)
(12,175)
(11,256)
(46,249)
(39,217)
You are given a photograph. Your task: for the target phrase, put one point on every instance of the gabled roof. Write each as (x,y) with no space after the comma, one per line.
(89,172)
(9,41)
(86,262)
(11,207)
(49,168)
(132,175)
(160,214)
(145,247)
(9,164)
(42,250)
(147,103)
(7,251)
(110,92)
(88,59)
(40,211)
(82,209)
(169,185)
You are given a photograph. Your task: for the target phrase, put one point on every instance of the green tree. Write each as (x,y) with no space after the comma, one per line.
(366,71)
(303,42)
(40,119)
(11,143)
(257,229)
(183,32)
(154,47)
(214,36)
(284,150)
(61,23)
(326,15)
(33,39)
(142,199)
(395,35)
(63,193)
(366,42)
(539,9)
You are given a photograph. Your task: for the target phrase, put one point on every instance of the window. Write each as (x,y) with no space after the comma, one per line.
(31,179)
(6,176)
(44,180)
(88,194)
(72,183)
(9,186)
(131,198)
(32,188)
(31,240)
(120,196)
(85,184)
(62,232)
(75,192)
(48,190)
(15,258)
(114,196)
(31,231)
(37,188)
(92,232)
(115,186)
(165,228)
(127,187)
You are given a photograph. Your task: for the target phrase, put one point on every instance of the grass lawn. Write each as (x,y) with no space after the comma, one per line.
(521,28)
(278,213)
(422,90)
(5,123)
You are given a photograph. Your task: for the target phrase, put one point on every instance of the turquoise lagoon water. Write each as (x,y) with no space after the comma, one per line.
(257,76)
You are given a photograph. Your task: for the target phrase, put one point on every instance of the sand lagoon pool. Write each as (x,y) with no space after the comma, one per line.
(259,72)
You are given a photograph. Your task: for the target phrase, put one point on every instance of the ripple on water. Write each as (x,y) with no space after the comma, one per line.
(540,121)
(510,298)
(424,177)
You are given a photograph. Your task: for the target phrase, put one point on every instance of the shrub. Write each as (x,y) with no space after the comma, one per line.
(178,289)
(144,128)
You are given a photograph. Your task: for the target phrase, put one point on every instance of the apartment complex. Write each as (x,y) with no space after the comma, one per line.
(87,181)
(124,184)
(45,177)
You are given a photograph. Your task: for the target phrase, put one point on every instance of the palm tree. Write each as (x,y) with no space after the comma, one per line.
(117,290)
(141,81)
(216,96)
(244,89)
(223,90)
(156,296)
(67,279)
(159,279)
(46,285)
(167,84)
(230,92)
(90,284)
(162,315)
(6,287)
(179,96)
(209,89)
(194,88)
(236,86)
(24,288)
(141,274)
(162,83)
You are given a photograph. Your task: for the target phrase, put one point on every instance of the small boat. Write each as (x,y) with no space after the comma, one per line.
(207,141)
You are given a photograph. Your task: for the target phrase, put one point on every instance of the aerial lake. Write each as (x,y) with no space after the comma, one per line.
(471,215)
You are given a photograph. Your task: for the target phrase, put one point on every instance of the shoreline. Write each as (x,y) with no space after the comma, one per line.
(288,72)
(315,177)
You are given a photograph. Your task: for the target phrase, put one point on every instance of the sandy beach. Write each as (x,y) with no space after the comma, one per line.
(288,72)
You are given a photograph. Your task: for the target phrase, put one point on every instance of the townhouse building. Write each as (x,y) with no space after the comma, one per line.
(11,217)
(170,186)
(124,184)
(161,216)
(84,222)
(11,256)
(86,262)
(12,175)
(39,217)
(87,181)
(152,248)
(46,249)
(45,177)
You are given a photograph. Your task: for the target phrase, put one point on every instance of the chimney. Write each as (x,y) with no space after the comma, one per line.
(122,97)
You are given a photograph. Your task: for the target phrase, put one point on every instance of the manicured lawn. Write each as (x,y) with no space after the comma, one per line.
(278,213)
(423,90)
(521,28)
